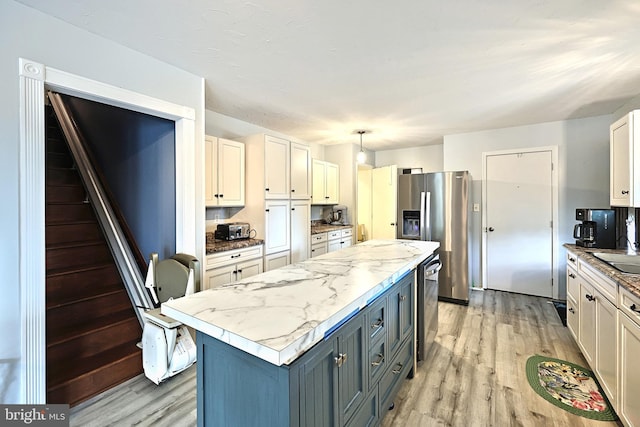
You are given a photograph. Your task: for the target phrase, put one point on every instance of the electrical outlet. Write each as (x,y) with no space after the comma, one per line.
(476,207)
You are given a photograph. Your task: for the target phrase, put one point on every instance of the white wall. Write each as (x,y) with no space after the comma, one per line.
(30,34)
(583,146)
(428,157)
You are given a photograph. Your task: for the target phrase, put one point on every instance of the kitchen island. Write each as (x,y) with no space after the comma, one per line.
(324,341)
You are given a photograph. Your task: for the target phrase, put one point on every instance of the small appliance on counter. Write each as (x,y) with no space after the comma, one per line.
(338,215)
(232,231)
(597,229)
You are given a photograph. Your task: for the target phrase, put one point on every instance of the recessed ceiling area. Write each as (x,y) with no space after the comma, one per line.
(410,72)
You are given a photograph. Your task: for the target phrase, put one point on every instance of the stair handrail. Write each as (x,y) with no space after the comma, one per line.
(116,239)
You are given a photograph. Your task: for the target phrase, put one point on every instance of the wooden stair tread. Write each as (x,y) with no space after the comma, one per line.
(88,326)
(77,244)
(76,368)
(108,290)
(78,270)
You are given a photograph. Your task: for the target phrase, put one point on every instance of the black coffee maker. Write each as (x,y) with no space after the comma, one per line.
(597,230)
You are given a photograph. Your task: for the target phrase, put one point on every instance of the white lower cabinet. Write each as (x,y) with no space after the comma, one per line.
(300,230)
(230,266)
(628,408)
(606,346)
(587,322)
(273,261)
(277,226)
(339,239)
(319,244)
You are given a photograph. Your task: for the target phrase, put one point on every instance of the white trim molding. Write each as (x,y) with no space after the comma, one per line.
(32,242)
(34,77)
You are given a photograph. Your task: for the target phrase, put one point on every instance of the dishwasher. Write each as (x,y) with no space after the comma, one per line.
(427,307)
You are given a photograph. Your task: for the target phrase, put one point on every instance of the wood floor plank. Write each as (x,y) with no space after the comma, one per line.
(473,376)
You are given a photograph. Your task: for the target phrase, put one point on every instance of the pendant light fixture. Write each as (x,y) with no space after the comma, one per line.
(361,157)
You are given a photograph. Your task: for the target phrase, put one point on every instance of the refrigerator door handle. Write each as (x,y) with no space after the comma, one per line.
(423,231)
(427,215)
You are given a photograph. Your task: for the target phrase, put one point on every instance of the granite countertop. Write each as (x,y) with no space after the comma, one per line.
(323,228)
(280,314)
(215,246)
(630,282)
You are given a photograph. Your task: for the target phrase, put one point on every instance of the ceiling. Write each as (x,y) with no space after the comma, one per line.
(410,71)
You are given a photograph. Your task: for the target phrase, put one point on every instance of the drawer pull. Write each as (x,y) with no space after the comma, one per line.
(625,192)
(236,256)
(378,324)
(398,369)
(634,308)
(573,276)
(571,310)
(572,259)
(379,361)
(590,297)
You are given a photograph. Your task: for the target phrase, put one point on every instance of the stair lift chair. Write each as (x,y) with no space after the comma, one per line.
(167,346)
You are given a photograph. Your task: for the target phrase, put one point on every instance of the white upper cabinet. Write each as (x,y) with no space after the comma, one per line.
(277,165)
(624,181)
(224,172)
(326,183)
(300,171)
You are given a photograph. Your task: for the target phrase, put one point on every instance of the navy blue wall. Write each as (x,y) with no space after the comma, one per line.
(136,153)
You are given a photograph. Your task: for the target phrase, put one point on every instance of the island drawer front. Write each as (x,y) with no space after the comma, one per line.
(607,287)
(630,305)
(367,414)
(572,259)
(397,370)
(334,234)
(317,238)
(233,256)
(376,319)
(377,363)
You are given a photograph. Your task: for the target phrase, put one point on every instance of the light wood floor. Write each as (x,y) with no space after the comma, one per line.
(475,375)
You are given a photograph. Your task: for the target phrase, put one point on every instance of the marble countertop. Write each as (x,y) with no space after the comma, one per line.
(323,228)
(280,314)
(630,282)
(214,246)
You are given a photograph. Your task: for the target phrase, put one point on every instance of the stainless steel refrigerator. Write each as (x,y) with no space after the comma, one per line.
(437,206)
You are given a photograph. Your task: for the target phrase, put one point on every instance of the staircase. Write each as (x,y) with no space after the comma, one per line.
(92,329)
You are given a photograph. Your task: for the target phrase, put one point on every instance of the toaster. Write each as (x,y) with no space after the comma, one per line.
(232,231)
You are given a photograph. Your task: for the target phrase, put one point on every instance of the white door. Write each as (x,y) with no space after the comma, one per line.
(519,222)
(300,230)
(384,199)
(230,173)
(300,171)
(277,226)
(276,168)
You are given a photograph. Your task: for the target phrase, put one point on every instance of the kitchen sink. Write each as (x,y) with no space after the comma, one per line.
(624,262)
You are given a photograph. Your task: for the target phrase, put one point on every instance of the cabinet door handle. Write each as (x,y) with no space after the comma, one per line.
(221,196)
(340,359)
(572,259)
(266,189)
(590,297)
(398,369)
(326,197)
(266,210)
(573,276)
(293,209)
(634,308)
(216,195)
(625,191)
(239,271)
(293,190)
(571,310)
(379,361)
(377,324)
(403,297)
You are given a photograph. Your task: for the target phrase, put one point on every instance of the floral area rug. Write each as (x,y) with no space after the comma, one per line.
(570,387)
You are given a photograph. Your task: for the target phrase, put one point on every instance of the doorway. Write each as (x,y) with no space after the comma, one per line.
(520,200)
